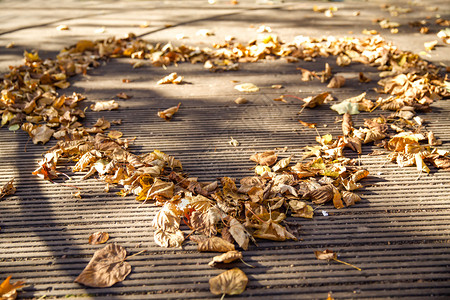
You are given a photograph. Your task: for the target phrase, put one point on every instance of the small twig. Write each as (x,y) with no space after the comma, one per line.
(193,230)
(375,107)
(26,144)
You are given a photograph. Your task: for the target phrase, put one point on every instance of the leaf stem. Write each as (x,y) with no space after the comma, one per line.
(135,254)
(346,263)
(223,296)
(247,264)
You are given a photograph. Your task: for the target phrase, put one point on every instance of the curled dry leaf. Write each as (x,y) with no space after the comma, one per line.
(239,233)
(107,267)
(336,82)
(171,78)
(226,258)
(231,282)
(115,134)
(306,124)
(314,101)
(123,96)
(168,113)
(240,100)
(247,87)
(362,78)
(325,254)
(104,105)
(213,244)
(41,133)
(7,189)
(98,238)
(282,164)
(347,124)
(267,158)
(8,291)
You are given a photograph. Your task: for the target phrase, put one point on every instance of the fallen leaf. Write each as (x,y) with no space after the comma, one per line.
(347,124)
(98,238)
(104,105)
(168,113)
(301,209)
(107,267)
(226,258)
(270,230)
(282,164)
(325,255)
(171,78)
(267,158)
(42,134)
(214,244)
(233,142)
(231,282)
(314,101)
(320,195)
(306,124)
(114,134)
(362,78)
(62,27)
(240,100)
(430,45)
(247,87)
(8,291)
(350,198)
(346,107)
(169,239)
(239,233)
(7,189)
(123,96)
(336,82)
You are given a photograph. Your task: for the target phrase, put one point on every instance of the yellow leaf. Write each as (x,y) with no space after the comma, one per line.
(8,291)
(231,282)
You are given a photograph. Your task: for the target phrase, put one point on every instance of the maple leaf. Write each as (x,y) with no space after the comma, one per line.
(107,267)
(231,282)
(8,291)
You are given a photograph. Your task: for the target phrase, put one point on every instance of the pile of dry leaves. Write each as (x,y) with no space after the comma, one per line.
(222,214)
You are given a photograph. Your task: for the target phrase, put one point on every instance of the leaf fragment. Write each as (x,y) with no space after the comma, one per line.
(267,158)
(336,82)
(214,244)
(107,267)
(231,282)
(104,105)
(171,78)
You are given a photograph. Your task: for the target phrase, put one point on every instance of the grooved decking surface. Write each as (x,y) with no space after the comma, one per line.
(399,234)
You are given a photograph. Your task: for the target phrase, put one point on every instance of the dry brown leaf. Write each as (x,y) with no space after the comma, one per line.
(171,78)
(320,195)
(226,258)
(7,189)
(240,100)
(362,78)
(115,134)
(301,209)
(168,113)
(347,124)
(204,222)
(239,233)
(231,282)
(167,218)
(42,134)
(306,124)
(169,239)
(350,198)
(104,105)
(98,238)
(267,158)
(270,230)
(107,267)
(282,164)
(8,291)
(336,82)
(314,101)
(325,255)
(123,96)
(214,244)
